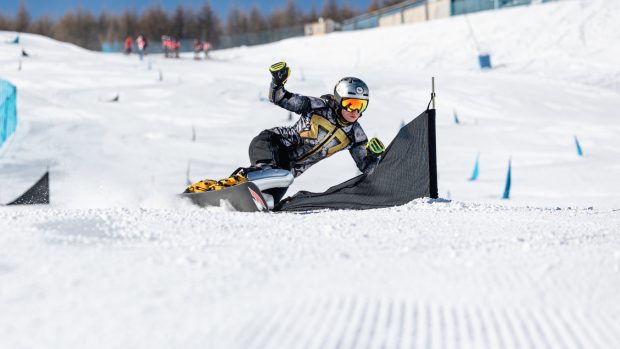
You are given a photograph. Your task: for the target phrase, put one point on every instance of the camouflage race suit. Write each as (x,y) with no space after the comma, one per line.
(317,134)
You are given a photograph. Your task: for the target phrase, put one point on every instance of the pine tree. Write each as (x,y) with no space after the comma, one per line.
(209,24)
(105,23)
(346,11)
(312,16)
(43,25)
(22,20)
(374,5)
(154,23)
(292,15)
(80,28)
(237,22)
(277,19)
(178,23)
(387,3)
(330,10)
(256,21)
(128,24)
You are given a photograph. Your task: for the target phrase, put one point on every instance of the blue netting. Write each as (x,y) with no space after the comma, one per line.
(460,7)
(8,110)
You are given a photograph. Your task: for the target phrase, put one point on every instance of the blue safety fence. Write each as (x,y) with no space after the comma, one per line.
(460,7)
(410,11)
(395,14)
(8,110)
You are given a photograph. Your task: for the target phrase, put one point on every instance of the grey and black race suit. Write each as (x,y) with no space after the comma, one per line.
(317,134)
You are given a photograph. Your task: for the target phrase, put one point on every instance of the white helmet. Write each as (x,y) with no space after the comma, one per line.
(351,87)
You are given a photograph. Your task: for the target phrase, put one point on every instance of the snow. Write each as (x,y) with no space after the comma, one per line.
(117,261)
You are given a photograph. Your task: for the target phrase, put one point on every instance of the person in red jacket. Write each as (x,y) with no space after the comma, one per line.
(128,43)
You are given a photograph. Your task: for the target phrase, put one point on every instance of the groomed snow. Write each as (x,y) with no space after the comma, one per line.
(116,261)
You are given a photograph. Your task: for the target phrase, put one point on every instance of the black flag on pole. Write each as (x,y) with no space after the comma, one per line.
(407,171)
(38,194)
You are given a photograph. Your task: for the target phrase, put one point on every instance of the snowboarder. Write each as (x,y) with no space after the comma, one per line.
(327,125)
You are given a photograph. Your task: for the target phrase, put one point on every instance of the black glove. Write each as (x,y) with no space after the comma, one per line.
(374,147)
(280,73)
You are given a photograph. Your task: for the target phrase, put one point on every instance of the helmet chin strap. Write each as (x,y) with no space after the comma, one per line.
(341,120)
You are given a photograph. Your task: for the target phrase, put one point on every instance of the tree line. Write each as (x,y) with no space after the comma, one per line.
(83,28)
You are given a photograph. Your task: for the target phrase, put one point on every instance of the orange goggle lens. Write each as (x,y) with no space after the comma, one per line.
(353,104)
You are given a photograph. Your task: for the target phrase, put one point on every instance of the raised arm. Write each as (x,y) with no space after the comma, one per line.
(279,96)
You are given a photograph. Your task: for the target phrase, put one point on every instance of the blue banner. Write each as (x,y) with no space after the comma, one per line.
(8,110)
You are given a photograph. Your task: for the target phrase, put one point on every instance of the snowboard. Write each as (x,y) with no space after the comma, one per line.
(244,197)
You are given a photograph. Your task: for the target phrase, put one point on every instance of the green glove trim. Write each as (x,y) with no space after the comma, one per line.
(280,72)
(277,66)
(375,146)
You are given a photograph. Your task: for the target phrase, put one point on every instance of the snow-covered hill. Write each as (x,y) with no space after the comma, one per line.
(117,261)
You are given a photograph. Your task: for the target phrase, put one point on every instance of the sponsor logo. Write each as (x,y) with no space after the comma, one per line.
(359,90)
(258,201)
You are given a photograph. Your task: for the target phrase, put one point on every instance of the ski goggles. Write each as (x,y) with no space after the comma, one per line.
(353,104)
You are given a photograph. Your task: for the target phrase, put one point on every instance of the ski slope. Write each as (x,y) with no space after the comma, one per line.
(117,261)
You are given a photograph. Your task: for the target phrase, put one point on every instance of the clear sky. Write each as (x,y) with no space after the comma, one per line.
(56,8)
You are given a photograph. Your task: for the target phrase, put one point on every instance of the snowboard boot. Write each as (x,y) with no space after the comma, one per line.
(201,186)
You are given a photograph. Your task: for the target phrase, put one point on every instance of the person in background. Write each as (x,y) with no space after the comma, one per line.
(166,44)
(142,44)
(206,47)
(128,43)
(197,48)
(176,46)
